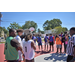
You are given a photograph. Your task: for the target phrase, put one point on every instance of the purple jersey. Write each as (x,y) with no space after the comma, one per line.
(46,38)
(39,40)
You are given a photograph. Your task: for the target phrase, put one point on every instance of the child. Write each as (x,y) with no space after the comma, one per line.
(58,43)
(46,41)
(39,42)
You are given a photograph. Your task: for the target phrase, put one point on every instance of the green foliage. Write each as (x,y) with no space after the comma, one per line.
(60,29)
(40,31)
(48,25)
(4,29)
(51,24)
(14,26)
(29,24)
(64,29)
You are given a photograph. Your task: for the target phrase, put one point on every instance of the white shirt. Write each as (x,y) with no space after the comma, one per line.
(71,43)
(23,41)
(28,50)
(19,40)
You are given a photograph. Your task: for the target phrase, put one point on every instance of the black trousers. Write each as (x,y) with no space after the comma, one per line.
(69,58)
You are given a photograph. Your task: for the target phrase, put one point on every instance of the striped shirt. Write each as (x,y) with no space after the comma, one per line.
(70,48)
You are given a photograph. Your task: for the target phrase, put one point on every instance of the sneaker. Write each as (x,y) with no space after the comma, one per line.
(60,53)
(52,50)
(49,50)
(56,52)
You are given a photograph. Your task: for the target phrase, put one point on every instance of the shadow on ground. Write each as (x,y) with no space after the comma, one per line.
(56,57)
(42,52)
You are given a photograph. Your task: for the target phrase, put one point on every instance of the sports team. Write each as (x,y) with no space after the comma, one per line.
(19,47)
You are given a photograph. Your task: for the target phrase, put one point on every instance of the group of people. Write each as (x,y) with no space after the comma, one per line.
(19,49)
(22,48)
(50,40)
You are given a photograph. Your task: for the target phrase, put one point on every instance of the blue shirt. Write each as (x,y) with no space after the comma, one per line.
(60,35)
(46,38)
(39,40)
(34,38)
(51,39)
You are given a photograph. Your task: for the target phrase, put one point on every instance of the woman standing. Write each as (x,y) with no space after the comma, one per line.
(66,42)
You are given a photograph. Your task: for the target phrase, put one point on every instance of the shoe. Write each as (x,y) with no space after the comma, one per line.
(49,50)
(60,54)
(56,52)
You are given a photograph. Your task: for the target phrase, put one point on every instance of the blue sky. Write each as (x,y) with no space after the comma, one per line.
(67,18)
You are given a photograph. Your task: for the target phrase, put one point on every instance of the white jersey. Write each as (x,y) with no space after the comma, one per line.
(28,50)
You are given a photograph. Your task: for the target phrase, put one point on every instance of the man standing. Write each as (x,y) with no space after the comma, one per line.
(51,42)
(34,38)
(11,47)
(39,40)
(71,46)
(19,32)
(46,41)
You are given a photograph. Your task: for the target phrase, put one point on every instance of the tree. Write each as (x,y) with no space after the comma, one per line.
(29,24)
(51,24)
(46,25)
(42,32)
(58,30)
(14,26)
(39,30)
(64,29)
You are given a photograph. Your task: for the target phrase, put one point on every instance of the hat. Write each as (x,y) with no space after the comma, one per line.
(15,43)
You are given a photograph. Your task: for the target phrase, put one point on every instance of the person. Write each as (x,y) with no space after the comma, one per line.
(66,42)
(19,32)
(11,47)
(58,43)
(63,41)
(51,42)
(46,41)
(23,38)
(71,46)
(28,48)
(34,38)
(39,40)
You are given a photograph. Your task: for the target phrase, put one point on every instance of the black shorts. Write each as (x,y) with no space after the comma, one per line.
(51,43)
(30,60)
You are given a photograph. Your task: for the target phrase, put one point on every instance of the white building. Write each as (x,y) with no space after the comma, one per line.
(52,31)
